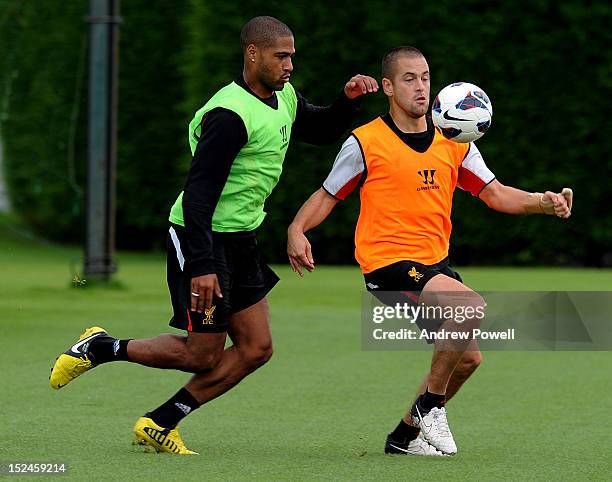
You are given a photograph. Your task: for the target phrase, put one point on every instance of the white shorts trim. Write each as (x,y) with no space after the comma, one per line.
(177,247)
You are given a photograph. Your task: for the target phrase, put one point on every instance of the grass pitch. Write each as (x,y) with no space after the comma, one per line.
(319,410)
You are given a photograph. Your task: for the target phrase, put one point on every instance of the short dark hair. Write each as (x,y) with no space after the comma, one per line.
(390,58)
(263,32)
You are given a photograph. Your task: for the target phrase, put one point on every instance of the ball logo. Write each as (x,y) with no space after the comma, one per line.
(447,116)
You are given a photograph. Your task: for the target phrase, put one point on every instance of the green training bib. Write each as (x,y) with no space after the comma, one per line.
(257,167)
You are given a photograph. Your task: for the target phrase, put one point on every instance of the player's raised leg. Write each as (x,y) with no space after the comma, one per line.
(95,347)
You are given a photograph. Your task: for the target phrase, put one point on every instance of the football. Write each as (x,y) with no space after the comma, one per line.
(462,112)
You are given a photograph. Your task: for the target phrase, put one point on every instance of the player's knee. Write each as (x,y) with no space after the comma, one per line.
(471,360)
(473,310)
(477,304)
(255,357)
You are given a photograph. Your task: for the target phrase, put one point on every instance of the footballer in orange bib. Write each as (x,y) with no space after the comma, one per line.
(406,195)
(406,173)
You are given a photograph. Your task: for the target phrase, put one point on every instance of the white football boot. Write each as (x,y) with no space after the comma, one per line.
(434,428)
(418,446)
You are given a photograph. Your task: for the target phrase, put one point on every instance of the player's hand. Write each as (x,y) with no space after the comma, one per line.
(299,252)
(360,85)
(559,204)
(202,290)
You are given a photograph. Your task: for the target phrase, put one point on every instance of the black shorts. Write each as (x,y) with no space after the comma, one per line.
(402,282)
(243,276)
(407,276)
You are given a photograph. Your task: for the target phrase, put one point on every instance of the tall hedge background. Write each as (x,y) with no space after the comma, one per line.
(546,65)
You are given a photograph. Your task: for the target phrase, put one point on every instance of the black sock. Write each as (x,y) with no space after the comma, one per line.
(430,400)
(169,414)
(103,349)
(404,433)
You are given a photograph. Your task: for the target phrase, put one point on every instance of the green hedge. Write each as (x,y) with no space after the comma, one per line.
(152,131)
(547,67)
(45,71)
(42,49)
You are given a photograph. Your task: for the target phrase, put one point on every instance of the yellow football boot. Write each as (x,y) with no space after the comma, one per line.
(74,361)
(149,434)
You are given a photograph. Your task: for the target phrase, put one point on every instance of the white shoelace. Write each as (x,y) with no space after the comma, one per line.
(439,416)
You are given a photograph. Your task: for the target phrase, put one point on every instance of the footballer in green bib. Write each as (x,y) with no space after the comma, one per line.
(258,165)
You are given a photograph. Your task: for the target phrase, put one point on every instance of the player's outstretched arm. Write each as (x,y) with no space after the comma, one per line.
(312,213)
(324,125)
(509,200)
